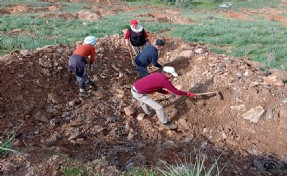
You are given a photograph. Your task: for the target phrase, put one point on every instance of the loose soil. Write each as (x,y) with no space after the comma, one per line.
(244,126)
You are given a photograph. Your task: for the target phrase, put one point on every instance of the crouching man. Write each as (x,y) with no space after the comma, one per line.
(157,82)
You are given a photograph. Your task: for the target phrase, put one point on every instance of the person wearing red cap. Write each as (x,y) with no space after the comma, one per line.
(137,36)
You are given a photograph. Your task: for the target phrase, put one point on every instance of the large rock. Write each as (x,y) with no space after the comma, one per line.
(254,114)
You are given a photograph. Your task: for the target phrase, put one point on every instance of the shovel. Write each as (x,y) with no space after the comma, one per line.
(128,46)
(131,55)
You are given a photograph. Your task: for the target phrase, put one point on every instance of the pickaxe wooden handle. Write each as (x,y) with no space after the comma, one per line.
(207,93)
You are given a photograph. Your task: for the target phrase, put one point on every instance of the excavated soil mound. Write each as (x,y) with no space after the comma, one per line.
(245,123)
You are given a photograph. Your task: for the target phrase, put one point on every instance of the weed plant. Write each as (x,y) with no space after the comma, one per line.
(189,168)
(73,171)
(6,144)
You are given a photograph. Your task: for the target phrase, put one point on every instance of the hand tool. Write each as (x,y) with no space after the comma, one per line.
(218,94)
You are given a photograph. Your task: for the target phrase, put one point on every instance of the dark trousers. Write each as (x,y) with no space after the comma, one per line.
(77,65)
(142,71)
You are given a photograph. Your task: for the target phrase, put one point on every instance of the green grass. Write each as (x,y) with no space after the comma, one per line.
(137,171)
(189,168)
(25,2)
(73,171)
(6,144)
(255,38)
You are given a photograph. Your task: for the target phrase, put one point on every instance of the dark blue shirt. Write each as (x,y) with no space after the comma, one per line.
(148,55)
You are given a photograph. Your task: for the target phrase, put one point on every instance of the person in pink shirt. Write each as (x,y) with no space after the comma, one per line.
(157,82)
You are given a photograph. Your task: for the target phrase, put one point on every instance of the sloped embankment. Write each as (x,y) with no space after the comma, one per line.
(105,132)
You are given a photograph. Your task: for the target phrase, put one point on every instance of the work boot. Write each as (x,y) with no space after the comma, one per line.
(150,114)
(89,82)
(84,94)
(169,126)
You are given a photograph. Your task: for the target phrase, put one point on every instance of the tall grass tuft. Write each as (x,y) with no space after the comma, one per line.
(6,144)
(189,168)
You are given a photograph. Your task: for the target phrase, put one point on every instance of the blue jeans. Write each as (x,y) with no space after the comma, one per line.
(77,65)
(82,80)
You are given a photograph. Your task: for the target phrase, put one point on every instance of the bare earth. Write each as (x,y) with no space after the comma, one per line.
(247,125)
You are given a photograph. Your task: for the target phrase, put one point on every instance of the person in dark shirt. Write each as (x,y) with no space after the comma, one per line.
(148,56)
(136,36)
(77,62)
(157,82)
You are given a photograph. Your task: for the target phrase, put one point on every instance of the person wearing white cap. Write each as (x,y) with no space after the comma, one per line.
(77,62)
(157,82)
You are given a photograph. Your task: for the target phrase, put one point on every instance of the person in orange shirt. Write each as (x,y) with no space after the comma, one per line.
(78,60)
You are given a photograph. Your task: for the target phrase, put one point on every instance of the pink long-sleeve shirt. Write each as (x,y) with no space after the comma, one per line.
(156,82)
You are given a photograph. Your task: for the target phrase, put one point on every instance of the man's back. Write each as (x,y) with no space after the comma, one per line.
(148,55)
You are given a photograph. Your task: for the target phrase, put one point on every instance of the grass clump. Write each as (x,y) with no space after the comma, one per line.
(6,144)
(137,171)
(73,171)
(189,168)
(194,166)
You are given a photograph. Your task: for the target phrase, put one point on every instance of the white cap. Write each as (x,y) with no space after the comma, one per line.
(91,40)
(170,70)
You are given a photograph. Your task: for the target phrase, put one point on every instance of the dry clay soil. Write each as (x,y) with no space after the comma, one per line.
(245,127)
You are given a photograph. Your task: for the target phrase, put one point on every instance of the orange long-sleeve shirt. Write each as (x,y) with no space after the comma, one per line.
(86,50)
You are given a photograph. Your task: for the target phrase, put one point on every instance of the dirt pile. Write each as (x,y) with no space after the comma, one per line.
(106,132)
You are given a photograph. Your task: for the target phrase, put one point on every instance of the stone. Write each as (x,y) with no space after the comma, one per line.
(185,53)
(183,124)
(52,98)
(140,117)
(282,118)
(129,110)
(238,107)
(254,114)
(200,50)
(273,80)
(269,113)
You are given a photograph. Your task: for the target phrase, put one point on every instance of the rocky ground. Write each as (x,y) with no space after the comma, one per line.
(39,100)
(244,127)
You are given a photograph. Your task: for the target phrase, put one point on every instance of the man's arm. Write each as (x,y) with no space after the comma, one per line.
(127,37)
(145,36)
(170,87)
(93,54)
(154,60)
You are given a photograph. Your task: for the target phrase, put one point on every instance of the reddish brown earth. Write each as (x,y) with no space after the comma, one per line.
(105,133)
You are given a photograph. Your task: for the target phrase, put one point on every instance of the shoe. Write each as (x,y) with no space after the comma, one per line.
(150,114)
(84,94)
(169,126)
(90,83)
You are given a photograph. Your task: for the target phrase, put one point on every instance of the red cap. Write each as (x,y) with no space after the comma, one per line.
(134,22)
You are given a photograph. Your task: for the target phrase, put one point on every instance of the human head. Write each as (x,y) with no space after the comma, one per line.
(169,71)
(159,43)
(134,24)
(91,40)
